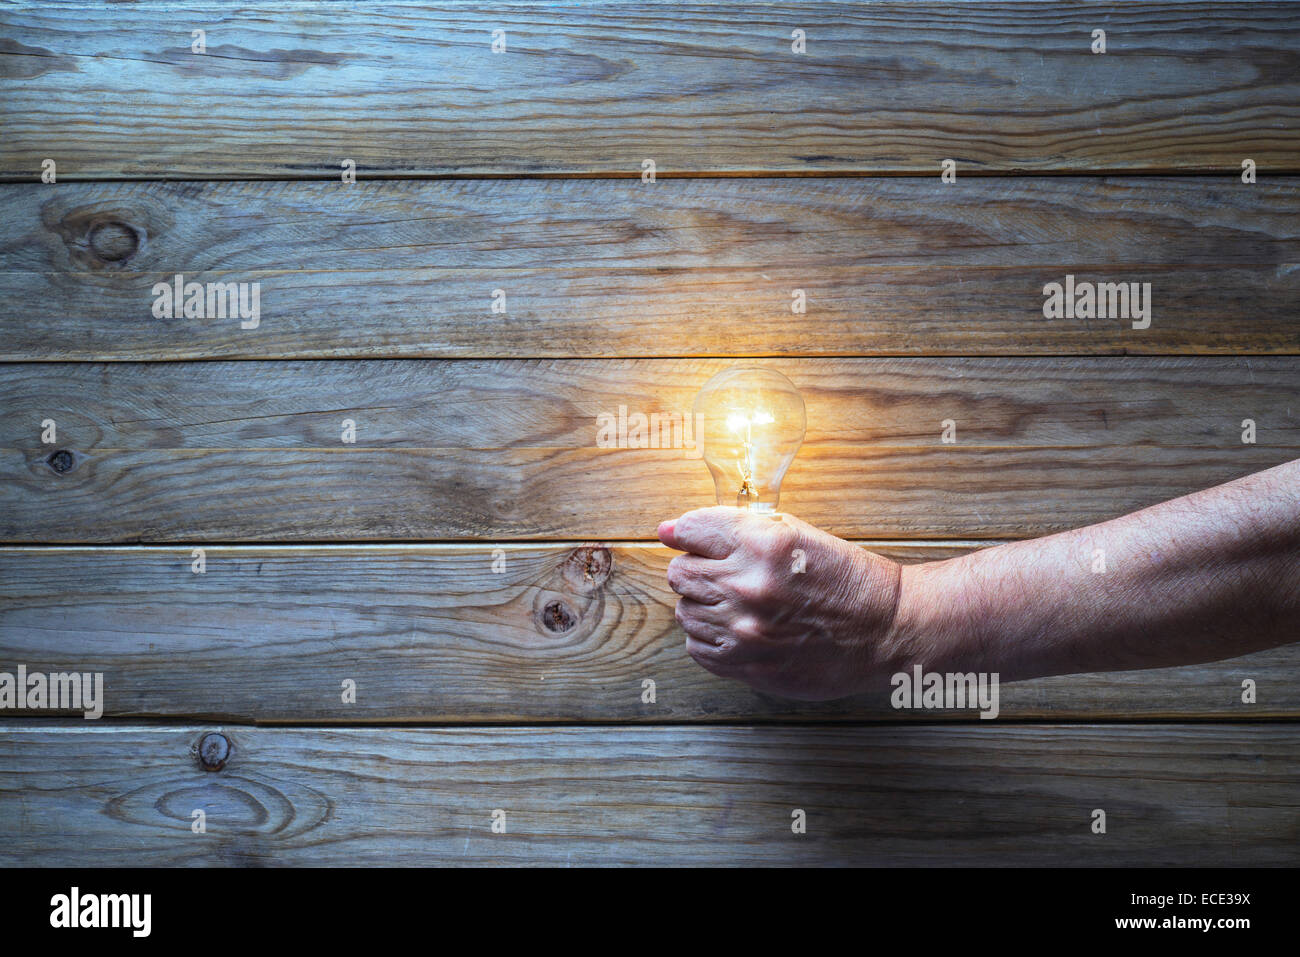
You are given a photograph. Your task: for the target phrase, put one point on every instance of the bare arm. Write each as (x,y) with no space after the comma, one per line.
(1211,575)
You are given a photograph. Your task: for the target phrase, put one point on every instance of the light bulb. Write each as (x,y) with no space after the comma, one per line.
(750,424)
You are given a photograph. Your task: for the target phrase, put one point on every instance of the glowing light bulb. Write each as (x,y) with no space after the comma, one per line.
(751,423)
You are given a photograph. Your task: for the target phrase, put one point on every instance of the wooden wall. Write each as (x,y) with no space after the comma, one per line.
(474,562)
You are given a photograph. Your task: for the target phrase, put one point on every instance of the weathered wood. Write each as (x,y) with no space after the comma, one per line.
(1187,795)
(890,310)
(708,87)
(683,267)
(217,451)
(270,634)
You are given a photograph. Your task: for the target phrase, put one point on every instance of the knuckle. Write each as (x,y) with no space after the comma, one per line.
(770,544)
(683,617)
(723,648)
(753,589)
(779,541)
(707,593)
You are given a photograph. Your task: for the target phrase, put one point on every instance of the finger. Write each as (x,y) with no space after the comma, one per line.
(710,532)
(693,577)
(709,657)
(696,611)
(698,621)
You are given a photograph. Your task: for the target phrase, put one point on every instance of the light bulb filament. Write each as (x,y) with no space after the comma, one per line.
(748,493)
(756,422)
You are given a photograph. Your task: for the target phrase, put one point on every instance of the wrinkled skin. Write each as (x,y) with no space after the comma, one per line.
(750,613)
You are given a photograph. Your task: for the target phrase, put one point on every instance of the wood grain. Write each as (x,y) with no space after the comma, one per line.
(476,431)
(461,633)
(682,267)
(1193,795)
(215,451)
(700,88)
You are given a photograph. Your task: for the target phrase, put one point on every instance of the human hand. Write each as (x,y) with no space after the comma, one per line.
(781,605)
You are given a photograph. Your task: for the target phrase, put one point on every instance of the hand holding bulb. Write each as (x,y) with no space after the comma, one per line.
(767,598)
(781,605)
(794,611)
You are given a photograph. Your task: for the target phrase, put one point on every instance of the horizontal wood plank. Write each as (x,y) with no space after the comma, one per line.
(293,90)
(684,267)
(461,633)
(1179,795)
(218,451)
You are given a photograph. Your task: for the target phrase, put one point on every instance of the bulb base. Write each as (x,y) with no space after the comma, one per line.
(762,508)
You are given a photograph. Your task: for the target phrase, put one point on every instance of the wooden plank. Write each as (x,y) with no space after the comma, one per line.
(1174,795)
(214,451)
(292,90)
(460,633)
(560,313)
(683,267)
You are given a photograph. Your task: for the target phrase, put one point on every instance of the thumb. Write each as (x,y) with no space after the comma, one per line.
(710,532)
(666,533)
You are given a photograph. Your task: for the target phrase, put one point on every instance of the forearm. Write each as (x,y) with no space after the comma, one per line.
(1211,575)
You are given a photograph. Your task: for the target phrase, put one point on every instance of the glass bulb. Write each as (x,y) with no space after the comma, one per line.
(751,423)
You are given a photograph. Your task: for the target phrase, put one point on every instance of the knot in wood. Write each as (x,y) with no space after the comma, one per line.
(61,461)
(588,567)
(113,241)
(213,751)
(558,617)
